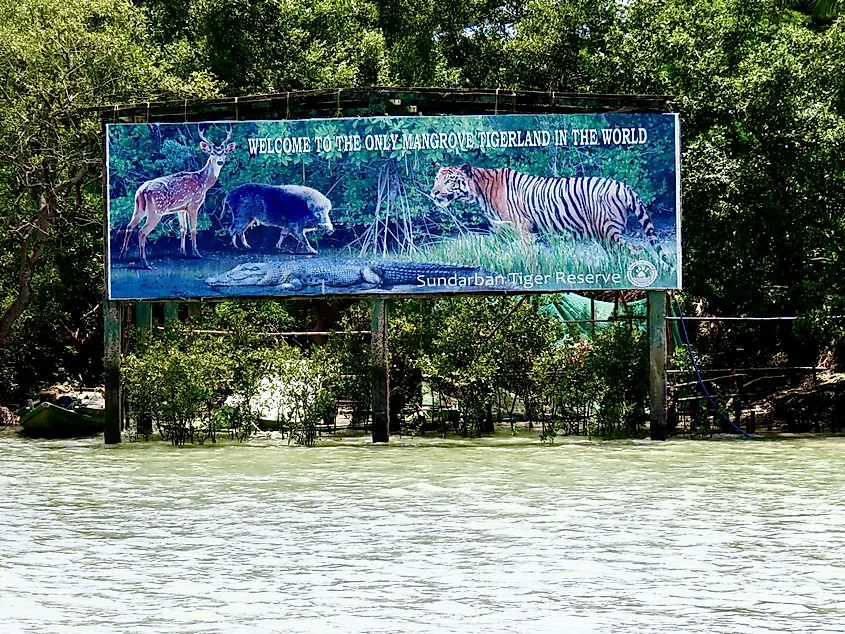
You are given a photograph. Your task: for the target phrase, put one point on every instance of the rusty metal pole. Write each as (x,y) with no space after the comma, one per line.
(379,372)
(111,366)
(657,363)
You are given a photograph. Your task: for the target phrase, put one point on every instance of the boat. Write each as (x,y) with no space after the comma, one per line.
(48,420)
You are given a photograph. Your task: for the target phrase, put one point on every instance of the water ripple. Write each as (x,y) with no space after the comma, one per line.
(422,536)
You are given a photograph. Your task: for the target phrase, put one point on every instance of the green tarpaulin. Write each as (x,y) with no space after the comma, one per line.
(571,307)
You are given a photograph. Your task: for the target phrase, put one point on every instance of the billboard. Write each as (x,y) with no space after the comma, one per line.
(393,206)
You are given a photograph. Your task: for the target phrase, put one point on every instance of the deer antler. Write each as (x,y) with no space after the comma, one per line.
(182,193)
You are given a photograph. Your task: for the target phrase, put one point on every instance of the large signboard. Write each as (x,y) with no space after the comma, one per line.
(394,206)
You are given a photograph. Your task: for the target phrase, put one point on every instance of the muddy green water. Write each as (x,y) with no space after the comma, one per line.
(433,536)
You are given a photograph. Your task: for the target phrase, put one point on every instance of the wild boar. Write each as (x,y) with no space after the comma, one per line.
(295,209)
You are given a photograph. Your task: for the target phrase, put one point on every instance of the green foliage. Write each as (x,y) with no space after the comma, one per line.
(816,330)
(487,350)
(411,328)
(352,355)
(568,385)
(190,386)
(309,394)
(482,347)
(605,379)
(461,364)
(174,380)
(825,8)
(59,337)
(57,61)
(248,318)
(475,352)
(256,46)
(618,363)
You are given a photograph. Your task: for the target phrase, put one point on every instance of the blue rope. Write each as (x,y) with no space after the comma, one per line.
(700,380)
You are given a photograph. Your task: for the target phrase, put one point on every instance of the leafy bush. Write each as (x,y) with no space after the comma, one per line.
(189,386)
(175,381)
(460,363)
(603,381)
(309,395)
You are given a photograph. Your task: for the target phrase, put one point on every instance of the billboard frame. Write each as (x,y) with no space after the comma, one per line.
(376,101)
(379,102)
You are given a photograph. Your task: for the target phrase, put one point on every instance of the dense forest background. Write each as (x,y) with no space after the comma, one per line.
(760,87)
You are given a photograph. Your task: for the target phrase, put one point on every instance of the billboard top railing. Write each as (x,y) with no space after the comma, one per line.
(380,100)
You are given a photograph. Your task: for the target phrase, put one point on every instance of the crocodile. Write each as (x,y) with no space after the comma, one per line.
(295,275)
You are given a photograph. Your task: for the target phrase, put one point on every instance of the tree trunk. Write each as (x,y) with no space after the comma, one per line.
(33,243)
(32,248)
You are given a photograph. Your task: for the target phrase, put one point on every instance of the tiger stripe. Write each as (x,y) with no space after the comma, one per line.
(593,207)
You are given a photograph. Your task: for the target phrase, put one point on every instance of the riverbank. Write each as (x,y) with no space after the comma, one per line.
(502,437)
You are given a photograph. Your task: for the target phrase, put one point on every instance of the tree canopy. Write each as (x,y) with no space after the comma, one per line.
(760,87)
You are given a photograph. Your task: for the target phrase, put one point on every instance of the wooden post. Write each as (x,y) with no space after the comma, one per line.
(751,425)
(672,417)
(379,372)
(171,312)
(657,363)
(111,365)
(111,332)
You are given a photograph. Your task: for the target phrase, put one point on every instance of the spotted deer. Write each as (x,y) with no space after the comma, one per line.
(182,194)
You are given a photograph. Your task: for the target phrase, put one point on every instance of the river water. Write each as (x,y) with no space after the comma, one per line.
(423,536)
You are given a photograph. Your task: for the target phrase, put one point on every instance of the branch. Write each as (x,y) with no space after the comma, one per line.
(73,180)
(31,251)
(506,317)
(81,340)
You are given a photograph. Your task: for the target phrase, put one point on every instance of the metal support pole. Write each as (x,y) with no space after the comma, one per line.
(657,363)
(111,337)
(111,365)
(379,373)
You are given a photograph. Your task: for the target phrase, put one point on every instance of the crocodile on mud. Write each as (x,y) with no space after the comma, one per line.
(294,275)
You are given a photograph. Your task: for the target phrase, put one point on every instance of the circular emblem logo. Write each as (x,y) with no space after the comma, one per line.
(642,273)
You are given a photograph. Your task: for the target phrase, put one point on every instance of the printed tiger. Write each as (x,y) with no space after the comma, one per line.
(590,207)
